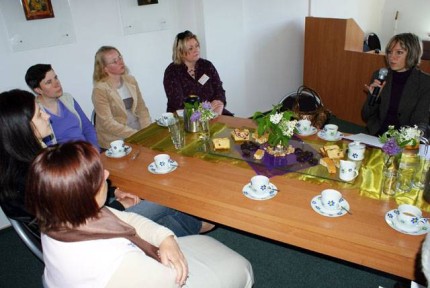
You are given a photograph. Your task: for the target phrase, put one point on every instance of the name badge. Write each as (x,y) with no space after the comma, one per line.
(203,79)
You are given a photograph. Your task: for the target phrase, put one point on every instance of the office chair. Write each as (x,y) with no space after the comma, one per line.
(29,237)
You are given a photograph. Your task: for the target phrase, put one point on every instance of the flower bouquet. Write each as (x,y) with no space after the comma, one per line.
(203,113)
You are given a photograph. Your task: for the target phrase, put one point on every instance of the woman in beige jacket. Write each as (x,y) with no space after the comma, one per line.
(118,102)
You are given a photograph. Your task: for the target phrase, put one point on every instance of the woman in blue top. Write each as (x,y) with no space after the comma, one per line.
(69,122)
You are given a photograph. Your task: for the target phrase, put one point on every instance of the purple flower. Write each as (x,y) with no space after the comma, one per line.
(206,105)
(196,116)
(391,148)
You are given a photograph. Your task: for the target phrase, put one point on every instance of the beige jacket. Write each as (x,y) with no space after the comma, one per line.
(111,116)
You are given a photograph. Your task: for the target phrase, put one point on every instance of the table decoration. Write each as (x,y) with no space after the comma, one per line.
(203,114)
(401,146)
(280,127)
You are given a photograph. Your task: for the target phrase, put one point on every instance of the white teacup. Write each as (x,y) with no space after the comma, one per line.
(356,151)
(260,184)
(117,147)
(167,118)
(410,217)
(304,126)
(347,170)
(162,162)
(330,131)
(330,199)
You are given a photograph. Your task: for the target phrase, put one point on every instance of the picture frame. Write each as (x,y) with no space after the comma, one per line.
(37,9)
(146,2)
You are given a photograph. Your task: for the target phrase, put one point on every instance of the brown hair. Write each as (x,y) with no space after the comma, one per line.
(62,184)
(179,47)
(411,43)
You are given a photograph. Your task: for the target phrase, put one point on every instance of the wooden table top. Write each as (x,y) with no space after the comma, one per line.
(213,191)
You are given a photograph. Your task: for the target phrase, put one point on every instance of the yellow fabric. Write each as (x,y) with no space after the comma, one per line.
(368,182)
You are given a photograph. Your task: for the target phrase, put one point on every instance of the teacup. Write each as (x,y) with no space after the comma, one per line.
(356,151)
(330,131)
(304,126)
(162,162)
(347,170)
(410,217)
(166,118)
(260,184)
(330,199)
(117,147)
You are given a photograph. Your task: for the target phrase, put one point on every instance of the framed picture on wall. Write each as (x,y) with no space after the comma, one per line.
(146,2)
(37,9)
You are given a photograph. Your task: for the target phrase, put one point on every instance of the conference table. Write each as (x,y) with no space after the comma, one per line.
(213,190)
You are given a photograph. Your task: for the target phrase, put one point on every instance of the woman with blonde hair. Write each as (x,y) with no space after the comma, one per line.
(118,103)
(189,74)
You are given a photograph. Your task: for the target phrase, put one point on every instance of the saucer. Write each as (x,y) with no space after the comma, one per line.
(391,219)
(322,135)
(320,209)
(158,121)
(111,155)
(153,168)
(311,131)
(250,193)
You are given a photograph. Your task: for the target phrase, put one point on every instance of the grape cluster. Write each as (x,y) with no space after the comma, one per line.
(248,147)
(305,156)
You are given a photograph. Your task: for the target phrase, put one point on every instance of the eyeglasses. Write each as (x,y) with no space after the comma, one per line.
(116,60)
(183,35)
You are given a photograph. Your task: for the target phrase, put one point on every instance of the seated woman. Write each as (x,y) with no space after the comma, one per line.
(99,240)
(118,103)
(23,125)
(68,120)
(404,98)
(189,74)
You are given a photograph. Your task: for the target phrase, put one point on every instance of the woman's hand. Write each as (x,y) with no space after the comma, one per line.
(217,106)
(376,83)
(171,255)
(126,199)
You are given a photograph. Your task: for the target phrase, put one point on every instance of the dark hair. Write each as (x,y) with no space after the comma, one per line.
(18,142)
(35,74)
(62,184)
(411,43)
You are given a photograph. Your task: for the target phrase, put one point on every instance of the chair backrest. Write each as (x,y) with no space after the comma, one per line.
(28,236)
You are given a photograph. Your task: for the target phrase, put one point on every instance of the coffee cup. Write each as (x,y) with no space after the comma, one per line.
(347,170)
(330,199)
(356,151)
(162,162)
(117,147)
(260,184)
(167,118)
(410,217)
(330,131)
(304,126)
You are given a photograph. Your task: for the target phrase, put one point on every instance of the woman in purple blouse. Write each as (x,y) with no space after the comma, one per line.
(189,74)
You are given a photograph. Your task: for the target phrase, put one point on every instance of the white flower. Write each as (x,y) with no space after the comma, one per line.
(275,118)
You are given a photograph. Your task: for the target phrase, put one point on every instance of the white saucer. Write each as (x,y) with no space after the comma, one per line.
(250,193)
(153,168)
(322,135)
(391,219)
(311,131)
(160,123)
(320,209)
(126,148)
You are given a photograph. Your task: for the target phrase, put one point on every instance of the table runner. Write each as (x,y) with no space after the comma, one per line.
(368,182)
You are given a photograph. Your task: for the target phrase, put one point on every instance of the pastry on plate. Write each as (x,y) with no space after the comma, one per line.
(221,143)
(240,134)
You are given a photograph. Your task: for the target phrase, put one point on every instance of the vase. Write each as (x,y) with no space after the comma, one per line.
(389,173)
(204,130)
(275,156)
(409,160)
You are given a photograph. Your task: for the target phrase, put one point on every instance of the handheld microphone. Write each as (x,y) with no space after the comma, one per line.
(374,98)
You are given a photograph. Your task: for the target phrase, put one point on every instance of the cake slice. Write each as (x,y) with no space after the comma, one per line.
(221,143)
(240,134)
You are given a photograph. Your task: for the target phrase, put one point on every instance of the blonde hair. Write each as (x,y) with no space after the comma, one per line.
(179,47)
(99,73)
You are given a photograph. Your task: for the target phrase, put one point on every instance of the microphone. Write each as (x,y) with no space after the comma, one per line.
(374,98)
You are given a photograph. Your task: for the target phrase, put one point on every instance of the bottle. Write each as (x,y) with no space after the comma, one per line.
(191,104)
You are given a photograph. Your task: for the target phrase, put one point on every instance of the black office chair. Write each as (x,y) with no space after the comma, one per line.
(30,238)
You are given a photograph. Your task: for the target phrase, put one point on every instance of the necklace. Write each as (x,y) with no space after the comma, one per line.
(192,73)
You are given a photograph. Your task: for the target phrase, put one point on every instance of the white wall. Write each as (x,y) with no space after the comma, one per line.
(257,46)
